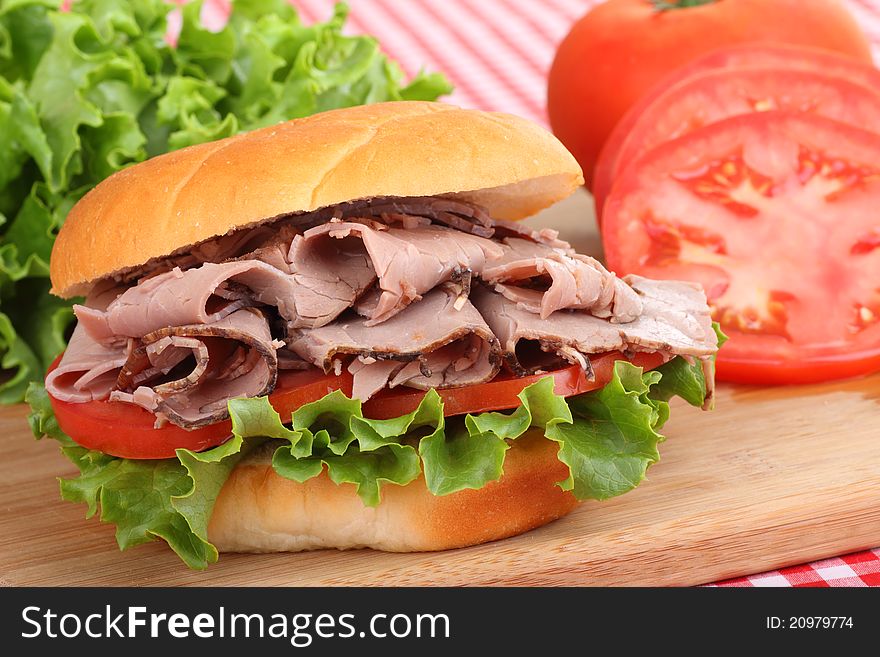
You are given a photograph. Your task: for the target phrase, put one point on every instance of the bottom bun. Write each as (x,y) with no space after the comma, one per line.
(260,511)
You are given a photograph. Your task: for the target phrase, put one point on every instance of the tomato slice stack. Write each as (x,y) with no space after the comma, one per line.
(756,172)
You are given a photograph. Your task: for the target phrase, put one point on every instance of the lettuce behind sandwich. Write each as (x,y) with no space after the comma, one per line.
(89,91)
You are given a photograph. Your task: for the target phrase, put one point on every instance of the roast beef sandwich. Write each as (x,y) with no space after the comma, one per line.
(335,332)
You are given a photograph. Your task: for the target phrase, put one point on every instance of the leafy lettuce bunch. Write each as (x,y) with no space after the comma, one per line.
(89,91)
(607,438)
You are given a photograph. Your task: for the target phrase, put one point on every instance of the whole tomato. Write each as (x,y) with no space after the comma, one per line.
(621,48)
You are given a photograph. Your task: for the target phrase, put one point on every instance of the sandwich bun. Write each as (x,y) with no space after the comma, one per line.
(260,511)
(166,205)
(169,203)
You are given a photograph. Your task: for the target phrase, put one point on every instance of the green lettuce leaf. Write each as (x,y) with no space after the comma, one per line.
(139,497)
(607,438)
(89,91)
(369,470)
(25,33)
(471,454)
(75,49)
(613,436)
(47,319)
(18,359)
(330,426)
(686,379)
(21,136)
(683,379)
(459,459)
(206,472)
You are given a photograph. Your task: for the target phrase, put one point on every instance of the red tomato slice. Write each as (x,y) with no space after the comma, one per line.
(776,215)
(733,81)
(718,95)
(621,48)
(501,392)
(296,388)
(127,431)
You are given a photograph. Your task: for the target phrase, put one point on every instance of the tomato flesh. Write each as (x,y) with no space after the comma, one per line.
(775,215)
(621,49)
(128,431)
(719,94)
(501,392)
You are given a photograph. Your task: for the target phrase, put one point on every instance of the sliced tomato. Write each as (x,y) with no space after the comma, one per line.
(296,388)
(720,94)
(128,431)
(501,392)
(621,48)
(769,54)
(776,215)
(733,81)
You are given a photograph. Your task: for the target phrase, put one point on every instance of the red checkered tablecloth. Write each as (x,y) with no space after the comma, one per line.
(497,53)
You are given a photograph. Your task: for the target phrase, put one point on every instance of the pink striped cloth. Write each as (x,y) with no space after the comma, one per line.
(497,54)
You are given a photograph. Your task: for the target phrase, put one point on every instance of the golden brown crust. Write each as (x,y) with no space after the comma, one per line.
(389,149)
(259,511)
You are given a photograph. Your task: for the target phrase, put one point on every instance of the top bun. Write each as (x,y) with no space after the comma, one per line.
(176,200)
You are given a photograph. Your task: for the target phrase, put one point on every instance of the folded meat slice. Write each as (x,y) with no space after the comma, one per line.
(330,274)
(289,360)
(429,344)
(543,279)
(186,374)
(273,250)
(675,320)
(462,215)
(408,262)
(466,217)
(219,249)
(203,295)
(88,368)
(505,230)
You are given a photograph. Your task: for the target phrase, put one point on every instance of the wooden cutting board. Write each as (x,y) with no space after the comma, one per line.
(772,477)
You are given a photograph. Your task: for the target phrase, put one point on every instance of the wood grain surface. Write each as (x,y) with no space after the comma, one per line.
(772,477)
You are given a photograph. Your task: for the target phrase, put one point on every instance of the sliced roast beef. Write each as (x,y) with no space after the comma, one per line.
(219,249)
(88,369)
(407,263)
(546,236)
(203,295)
(380,286)
(273,250)
(675,320)
(408,211)
(330,275)
(455,213)
(466,217)
(542,280)
(429,344)
(289,360)
(186,374)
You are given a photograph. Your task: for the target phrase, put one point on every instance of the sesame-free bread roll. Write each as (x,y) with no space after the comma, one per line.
(174,201)
(260,511)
